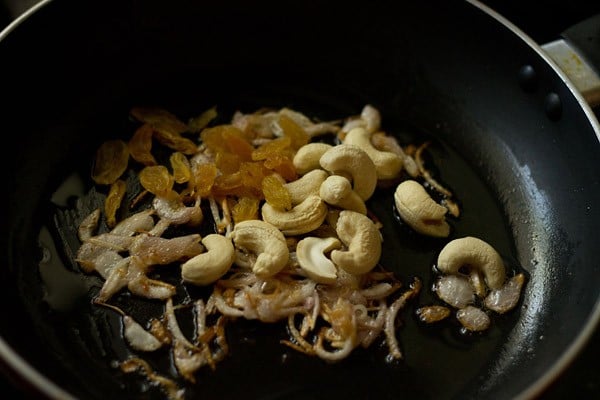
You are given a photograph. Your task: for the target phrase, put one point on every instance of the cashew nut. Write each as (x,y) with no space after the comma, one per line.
(311,257)
(362,238)
(208,267)
(308,184)
(307,157)
(387,164)
(305,217)
(349,159)
(472,252)
(337,191)
(420,211)
(264,240)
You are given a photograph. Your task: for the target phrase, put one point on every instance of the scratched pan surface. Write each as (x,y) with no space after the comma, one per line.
(527,181)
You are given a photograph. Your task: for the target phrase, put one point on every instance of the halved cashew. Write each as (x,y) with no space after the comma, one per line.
(363,240)
(308,184)
(311,257)
(307,157)
(264,240)
(418,210)
(208,267)
(305,217)
(337,191)
(350,159)
(387,164)
(472,252)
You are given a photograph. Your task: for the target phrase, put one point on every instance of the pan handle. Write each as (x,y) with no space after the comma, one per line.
(577,53)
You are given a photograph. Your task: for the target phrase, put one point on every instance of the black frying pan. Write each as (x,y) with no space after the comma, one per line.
(449,72)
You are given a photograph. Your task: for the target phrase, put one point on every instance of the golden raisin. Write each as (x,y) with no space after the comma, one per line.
(295,132)
(245,209)
(227,163)
(204,177)
(252,176)
(200,122)
(111,161)
(182,171)
(227,184)
(212,138)
(175,141)
(140,145)
(161,120)
(270,148)
(237,144)
(283,165)
(156,179)
(113,202)
(275,193)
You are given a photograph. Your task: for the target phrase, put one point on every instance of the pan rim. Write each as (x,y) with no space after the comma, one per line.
(540,52)
(43,385)
(568,356)
(30,375)
(19,20)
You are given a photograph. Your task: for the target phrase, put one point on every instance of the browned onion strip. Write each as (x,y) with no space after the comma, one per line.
(447,202)
(390,326)
(169,386)
(431,314)
(342,352)
(187,357)
(300,344)
(115,281)
(375,326)
(88,226)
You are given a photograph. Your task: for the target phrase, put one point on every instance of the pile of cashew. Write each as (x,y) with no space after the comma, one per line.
(334,184)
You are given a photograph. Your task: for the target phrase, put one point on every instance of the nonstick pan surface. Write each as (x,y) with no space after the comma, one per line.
(526,173)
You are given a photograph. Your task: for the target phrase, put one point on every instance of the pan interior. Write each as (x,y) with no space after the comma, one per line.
(526,183)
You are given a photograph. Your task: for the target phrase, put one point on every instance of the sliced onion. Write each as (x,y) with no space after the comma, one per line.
(139,222)
(432,314)
(473,319)
(138,337)
(506,298)
(455,290)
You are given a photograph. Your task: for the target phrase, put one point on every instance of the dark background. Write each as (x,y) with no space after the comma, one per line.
(544,21)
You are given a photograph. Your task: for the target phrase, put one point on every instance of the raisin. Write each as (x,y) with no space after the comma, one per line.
(111,161)
(140,145)
(283,165)
(156,179)
(295,132)
(273,147)
(204,178)
(245,209)
(181,167)
(200,122)
(159,119)
(113,201)
(275,193)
